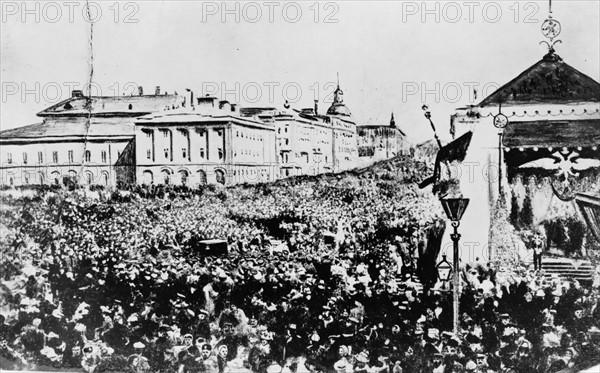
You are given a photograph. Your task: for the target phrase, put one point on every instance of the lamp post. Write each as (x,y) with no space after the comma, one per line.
(444,270)
(454,209)
(500,122)
(428,116)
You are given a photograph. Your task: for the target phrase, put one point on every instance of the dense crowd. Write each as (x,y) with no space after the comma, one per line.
(323,274)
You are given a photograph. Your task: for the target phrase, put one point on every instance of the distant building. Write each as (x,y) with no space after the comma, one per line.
(379,142)
(211,144)
(64,147)
(310,143)
(158,139)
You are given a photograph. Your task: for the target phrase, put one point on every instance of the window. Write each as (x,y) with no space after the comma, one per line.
(149,154)
(287,141)
(103,155)
(24,158)
(88,156)
(220,153)
(166,153)
(70,156)
(237,133)
(40,157)
(201,152)
(184,153)
(9,157)
(165,133)
(148,134)
(55,157)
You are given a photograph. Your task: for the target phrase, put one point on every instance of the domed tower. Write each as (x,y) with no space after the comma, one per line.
(338,107)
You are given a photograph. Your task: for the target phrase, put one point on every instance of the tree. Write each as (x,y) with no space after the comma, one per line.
(526,215)
(514,211)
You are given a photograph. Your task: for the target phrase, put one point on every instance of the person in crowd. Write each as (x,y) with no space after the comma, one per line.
(127,272)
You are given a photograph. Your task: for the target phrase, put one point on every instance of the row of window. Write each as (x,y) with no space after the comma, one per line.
(244,135)
(166,133)
(247,152)
(40,157)
(55,176)
(184,153)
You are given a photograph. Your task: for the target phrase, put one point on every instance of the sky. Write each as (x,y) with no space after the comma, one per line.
(391,56)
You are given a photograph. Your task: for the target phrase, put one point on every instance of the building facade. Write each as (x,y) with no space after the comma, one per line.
(166,139)
(538,137)
(79,139)
(211,144)
(310,143)
(379,142)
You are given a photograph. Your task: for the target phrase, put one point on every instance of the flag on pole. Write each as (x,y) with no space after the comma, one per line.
(454,151)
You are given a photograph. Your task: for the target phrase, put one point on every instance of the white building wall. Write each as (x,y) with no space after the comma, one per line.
(98,170)
(478,174)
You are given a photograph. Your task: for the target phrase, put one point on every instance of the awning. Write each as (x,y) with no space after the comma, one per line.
(556,134)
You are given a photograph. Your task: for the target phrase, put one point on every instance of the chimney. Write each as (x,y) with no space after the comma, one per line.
(316,107)
(157,90)
(140,90)
(77,93)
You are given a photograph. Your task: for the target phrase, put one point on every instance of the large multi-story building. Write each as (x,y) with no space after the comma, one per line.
(379,142)
(158,139)
(79,138)
(310,143)
(208,143)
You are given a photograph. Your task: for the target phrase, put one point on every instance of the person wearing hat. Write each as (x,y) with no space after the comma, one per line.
(361,363)
(260,356)
(227,323)
(137,362)
(207,361)
(188,360)
(437,363)
(202,329)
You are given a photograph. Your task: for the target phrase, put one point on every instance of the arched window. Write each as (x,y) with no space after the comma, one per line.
(166,177)
(147,177)
(89,178)
(88,156)
(183,174)
(220,176)
(56,177)
(202,177)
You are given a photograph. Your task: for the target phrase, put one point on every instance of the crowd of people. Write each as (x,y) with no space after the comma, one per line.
(323,274)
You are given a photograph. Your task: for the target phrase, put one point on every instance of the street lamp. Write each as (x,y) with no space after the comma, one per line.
(500,122)
(444,270)
(454,209)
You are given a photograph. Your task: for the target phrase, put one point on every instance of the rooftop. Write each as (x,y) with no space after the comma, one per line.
(128,106)
(550,81)
(74,127)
